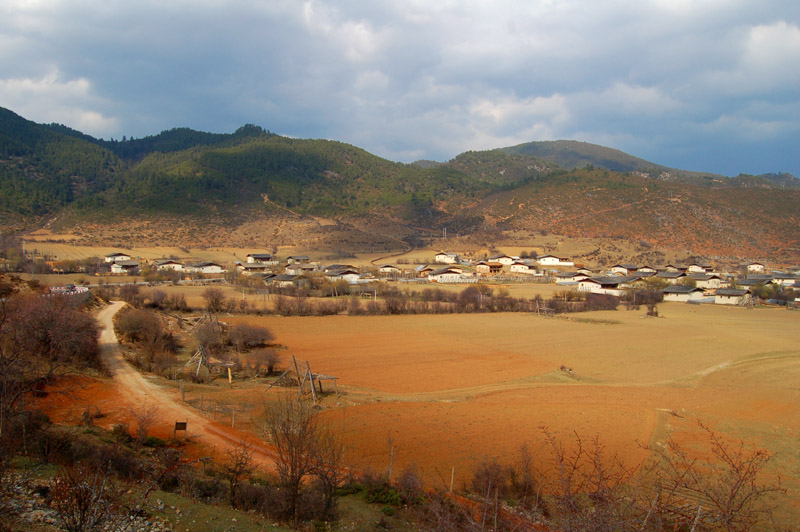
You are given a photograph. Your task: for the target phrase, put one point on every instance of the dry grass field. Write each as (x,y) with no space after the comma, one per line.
(447,390)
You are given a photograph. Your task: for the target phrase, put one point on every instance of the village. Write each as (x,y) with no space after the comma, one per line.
(695,282)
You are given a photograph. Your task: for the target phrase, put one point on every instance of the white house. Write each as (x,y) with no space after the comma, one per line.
(522,267)
(784,279)
(489,268)
(252,269)
(388,269)
(285,281)
(298,259)
(697,268)
(570,277)
(682,293)
(623,269)
(707,280)
(505,260)
(348,275)
(447,258)
(672,277)
(755,267)
(645,269)
(169,265)
(124,267)
(731,296)
(205,267)
(446,275)
(611,285)
(552,260)
(117,257)
(261,258)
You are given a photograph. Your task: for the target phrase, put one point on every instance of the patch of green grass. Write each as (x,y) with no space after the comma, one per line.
(189,516)
(595,321)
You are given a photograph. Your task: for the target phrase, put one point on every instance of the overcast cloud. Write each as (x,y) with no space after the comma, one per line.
(711,85)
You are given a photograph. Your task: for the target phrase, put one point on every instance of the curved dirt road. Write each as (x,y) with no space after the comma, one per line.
(139,391)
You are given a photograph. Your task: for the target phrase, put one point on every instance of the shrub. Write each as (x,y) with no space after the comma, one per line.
(245,336)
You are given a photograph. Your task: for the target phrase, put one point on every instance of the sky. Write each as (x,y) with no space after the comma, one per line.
(705,85)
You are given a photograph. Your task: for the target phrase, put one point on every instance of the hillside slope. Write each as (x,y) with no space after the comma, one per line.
(252,185)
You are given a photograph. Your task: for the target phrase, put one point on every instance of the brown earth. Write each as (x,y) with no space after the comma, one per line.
(446,391)
(130,392)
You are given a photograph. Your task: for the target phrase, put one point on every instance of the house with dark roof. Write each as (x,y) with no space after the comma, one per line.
(117,257)
(570,277)
(709,281)
(253,268)
(169,265)
(489,268)
(505,260)
(389,269)
(672,277)
(446,275)
(784,279)
(261,258)
(124,267)
(623,269)
(732,296)
(613,285)
(682,293)
(349,275)
(205,267)
(444,257)
(552,260)
(285,280)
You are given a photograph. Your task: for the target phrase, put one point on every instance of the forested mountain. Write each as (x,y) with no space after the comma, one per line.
(565,186)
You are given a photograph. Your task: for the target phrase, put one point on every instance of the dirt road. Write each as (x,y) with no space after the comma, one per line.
(141,393)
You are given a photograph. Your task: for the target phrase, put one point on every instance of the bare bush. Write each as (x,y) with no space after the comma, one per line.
(131,294)
(291,426)
(144,328)
(158,298)
(209,336)
(40,339)
(86,499)
(265,358)
(238,468)
(304,449)
(726,492)
(145,416)
(215,299)
(245,336)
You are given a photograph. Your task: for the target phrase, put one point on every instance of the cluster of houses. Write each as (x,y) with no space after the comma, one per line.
(124,264)
(694,282)
(698,283)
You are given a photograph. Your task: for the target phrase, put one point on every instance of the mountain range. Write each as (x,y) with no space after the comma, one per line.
(227,183)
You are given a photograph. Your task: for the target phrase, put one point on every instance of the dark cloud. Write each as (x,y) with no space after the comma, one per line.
(705,85)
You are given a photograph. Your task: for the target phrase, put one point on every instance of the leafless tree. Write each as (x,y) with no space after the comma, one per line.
(245,336)
(145,416)
(726,492)
(215,299)
(41,338)
(326,466)
(86,499)
(303,448)
(131,294)
(588,487)
(238,467)
(158,298)
(266,357)
(209,336)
